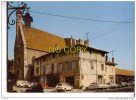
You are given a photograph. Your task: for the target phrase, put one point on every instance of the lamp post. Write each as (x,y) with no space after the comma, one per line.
(21,6)
(20,9)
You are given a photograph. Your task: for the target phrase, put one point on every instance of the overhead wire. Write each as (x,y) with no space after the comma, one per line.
(103,31)
(99,34)
(108,29)
(70,17)
(110,32)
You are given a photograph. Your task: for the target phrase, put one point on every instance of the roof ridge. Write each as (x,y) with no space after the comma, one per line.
(125,69)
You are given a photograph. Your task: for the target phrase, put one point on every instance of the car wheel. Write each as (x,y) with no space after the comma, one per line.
(87,88)
(65,90)
(71,89)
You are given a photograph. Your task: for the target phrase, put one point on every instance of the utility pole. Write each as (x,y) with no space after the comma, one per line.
(112,55)
(112,52)
(87,35)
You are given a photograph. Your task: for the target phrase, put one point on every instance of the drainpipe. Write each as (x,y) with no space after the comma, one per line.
(40,70)
(96,69)
(80,72)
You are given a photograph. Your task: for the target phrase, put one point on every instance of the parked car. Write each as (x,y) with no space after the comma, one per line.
(63,87)
(113,85)
(119,85)
(95,85)
(106,86)
(29,84)
(23,83)
(36,88)
(131,83)
(123,84)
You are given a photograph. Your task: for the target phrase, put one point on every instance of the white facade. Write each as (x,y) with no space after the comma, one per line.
(94,69)
(82,67)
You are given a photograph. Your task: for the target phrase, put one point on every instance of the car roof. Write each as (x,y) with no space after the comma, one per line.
(61,83)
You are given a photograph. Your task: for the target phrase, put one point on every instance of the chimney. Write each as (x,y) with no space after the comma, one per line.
(75,42)
(112,60)
(71,41)
(27,20)
(80,41)
(106,58)
(86,43)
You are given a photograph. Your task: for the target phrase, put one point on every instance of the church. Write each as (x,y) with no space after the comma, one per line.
(31,43)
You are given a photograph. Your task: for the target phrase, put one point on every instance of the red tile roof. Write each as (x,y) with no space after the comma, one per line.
(124,72)
(40,40)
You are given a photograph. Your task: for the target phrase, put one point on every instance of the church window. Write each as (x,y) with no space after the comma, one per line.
(37,70)
(52,68)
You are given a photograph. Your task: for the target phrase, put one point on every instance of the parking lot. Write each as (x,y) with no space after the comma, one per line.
(52,89)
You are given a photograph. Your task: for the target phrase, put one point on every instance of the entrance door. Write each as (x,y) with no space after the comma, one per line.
(70,80)
(111,79)
(52,80)
(100,79)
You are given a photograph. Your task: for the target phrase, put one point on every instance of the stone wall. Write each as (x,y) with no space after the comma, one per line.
(19,56)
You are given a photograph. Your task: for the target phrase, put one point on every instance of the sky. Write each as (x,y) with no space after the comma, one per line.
(108,36)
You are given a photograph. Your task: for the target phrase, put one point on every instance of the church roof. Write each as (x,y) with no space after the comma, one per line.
(40,40)
(124,72)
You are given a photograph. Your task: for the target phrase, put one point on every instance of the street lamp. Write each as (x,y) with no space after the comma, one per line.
(22,6)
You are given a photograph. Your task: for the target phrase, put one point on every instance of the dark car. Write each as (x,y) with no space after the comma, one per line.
(36,88)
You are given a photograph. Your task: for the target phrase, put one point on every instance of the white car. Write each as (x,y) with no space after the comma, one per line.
(95,85)
(114,85)
(63,87)
(29,84)
(107,86)
(123,84)
(23,83)
(20,83)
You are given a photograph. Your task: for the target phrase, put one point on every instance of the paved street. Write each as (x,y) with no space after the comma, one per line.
(54,90)
(51,89)
(123,89)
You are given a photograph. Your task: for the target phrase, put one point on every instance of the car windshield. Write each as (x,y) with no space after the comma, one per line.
(93,83)
(67,84)
(59,84)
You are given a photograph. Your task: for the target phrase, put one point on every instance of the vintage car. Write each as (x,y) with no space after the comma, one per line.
(63,87)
